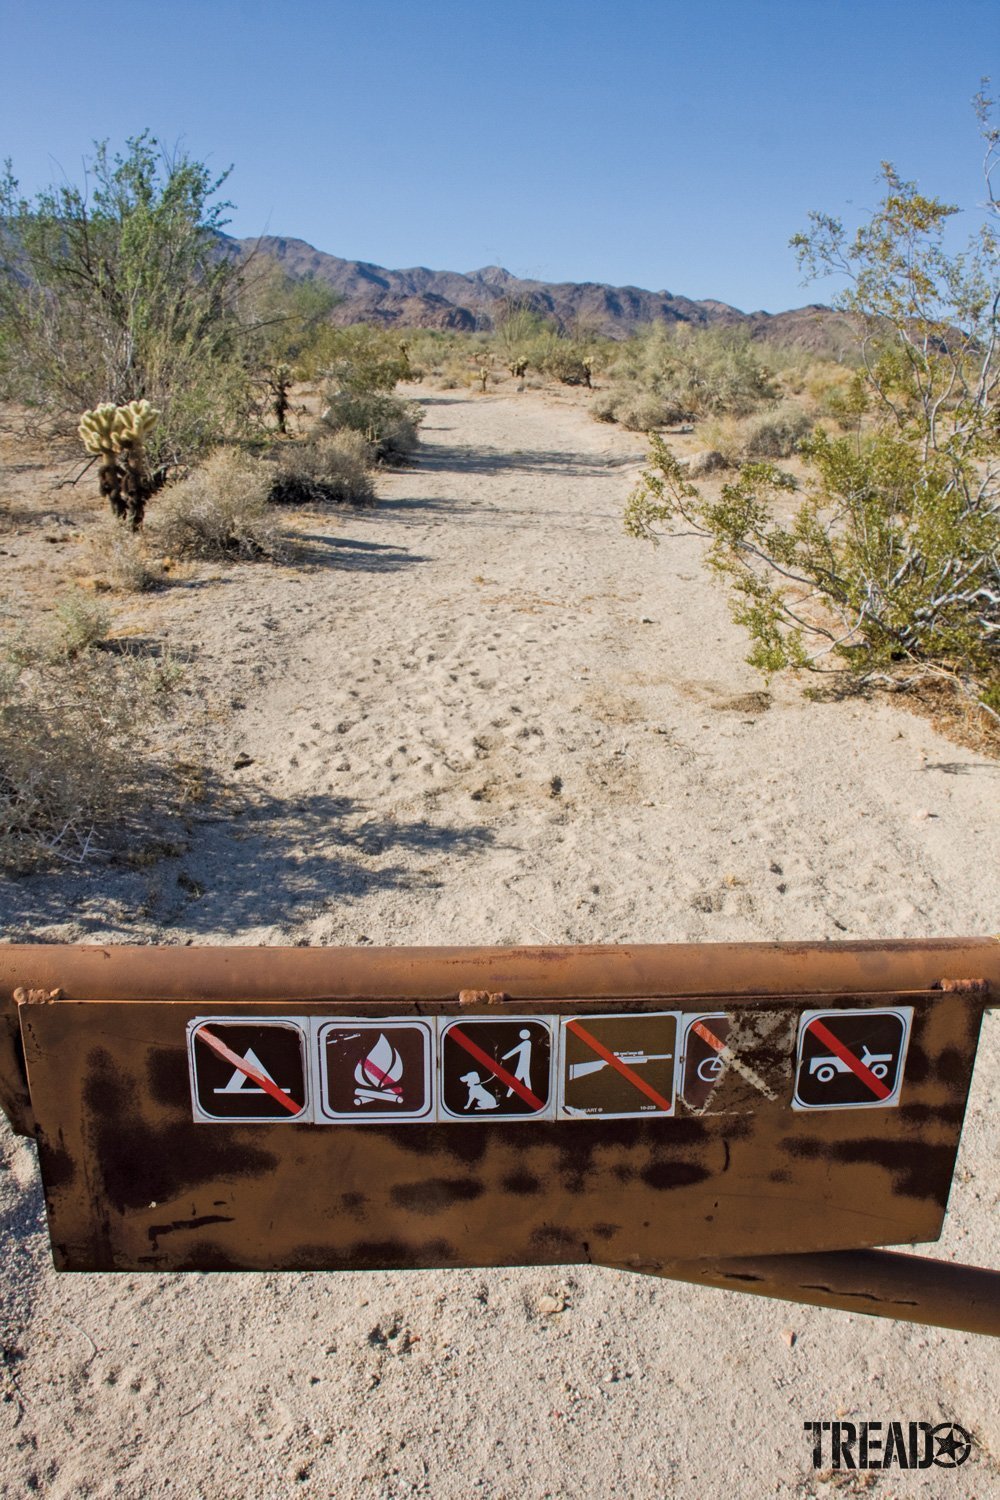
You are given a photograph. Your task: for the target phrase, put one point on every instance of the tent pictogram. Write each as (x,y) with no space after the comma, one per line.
(704,1057)
(851,1059)
(496,1069)
(619,1066)
(247,1070)
(376,1070)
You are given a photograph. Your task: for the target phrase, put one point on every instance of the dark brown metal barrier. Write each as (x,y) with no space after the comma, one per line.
(756,1117)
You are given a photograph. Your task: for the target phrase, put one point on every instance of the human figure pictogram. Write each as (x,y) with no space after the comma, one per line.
(522,1052)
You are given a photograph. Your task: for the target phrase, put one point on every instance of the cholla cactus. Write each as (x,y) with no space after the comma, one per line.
(97,428)
(118,434)
(134,423)
(279,384)
(98,431)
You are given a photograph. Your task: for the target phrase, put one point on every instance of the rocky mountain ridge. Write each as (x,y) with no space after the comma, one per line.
(420,298)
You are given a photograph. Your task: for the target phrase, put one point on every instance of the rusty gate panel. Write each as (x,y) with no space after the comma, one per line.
(133,1181)
(749,1146)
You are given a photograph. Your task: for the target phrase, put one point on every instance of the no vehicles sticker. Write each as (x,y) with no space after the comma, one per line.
(851,1059)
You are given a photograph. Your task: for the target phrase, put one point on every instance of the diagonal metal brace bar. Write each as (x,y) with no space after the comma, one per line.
(878,1283)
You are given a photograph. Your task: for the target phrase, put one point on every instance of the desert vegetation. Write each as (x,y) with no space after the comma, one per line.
(887,562)
(850,505)
(185,370)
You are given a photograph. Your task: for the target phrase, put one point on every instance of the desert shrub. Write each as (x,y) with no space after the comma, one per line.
(444,355)
(604,407)
(892,559)
(333,467)
(645,411)
(778,433)
(387,423)
(360,360)
(221,510)
(517,330)
(79,622)
(663,376)
(121,561)
(77,770)
(769,434)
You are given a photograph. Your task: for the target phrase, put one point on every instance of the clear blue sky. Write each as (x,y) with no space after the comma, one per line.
(669,145)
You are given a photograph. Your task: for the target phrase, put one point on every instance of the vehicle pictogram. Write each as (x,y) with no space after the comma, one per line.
(618,1066)
(376,1070)
(496,1069)
(247,1069)
(851,1059)
(704,1057)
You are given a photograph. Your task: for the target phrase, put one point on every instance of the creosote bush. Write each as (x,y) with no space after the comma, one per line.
(891,560)
(329,467)
(221,510)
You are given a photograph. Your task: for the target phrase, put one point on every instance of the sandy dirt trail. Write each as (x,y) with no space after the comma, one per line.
(481,714)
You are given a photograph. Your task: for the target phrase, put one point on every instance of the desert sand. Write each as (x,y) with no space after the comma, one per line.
(480,714)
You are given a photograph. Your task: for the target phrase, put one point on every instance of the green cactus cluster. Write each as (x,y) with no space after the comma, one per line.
(97,429)
(112,429)
(117,435)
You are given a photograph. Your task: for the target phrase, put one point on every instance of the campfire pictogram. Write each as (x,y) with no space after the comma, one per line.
(378,1074)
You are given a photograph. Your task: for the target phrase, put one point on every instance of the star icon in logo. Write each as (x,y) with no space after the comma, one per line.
(952,1445)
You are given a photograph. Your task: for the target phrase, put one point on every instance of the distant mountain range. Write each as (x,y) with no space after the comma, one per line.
(419,298)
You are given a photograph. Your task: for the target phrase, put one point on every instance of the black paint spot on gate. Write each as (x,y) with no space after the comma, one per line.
(436,1194)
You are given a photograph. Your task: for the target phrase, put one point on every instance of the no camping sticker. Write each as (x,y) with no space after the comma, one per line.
(247,1069)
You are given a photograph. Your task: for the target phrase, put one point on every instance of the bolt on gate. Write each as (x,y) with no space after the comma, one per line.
(757,1117)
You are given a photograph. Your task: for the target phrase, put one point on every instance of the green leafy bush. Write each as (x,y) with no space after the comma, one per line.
(386,423)
(118,291)
(360,360)
(892,558)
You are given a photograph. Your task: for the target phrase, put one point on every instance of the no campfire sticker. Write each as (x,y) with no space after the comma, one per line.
(376,1070)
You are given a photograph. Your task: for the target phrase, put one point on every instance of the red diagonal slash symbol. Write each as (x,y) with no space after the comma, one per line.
(497,1069)
(618,1065)
(367,1066)
(836,1046)
(248,1070)
(708,1036)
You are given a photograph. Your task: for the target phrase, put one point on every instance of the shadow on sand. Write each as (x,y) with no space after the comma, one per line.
(240,858)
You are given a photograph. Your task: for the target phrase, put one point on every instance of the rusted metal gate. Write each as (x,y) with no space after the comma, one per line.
(757,1117)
